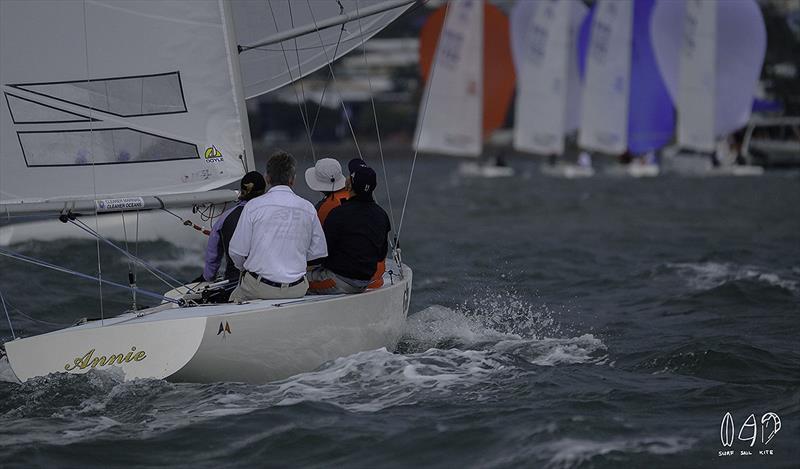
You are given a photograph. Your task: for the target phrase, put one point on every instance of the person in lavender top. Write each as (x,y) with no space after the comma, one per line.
(252,186)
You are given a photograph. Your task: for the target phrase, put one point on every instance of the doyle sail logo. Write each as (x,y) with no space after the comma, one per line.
(90,360)
(212,154)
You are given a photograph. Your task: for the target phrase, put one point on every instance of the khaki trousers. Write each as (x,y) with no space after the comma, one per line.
(250,288)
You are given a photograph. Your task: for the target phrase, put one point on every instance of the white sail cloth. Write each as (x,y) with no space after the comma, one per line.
(710,55)
(269,67)
(450,119)
(544,44)
(111,99)
(606,88)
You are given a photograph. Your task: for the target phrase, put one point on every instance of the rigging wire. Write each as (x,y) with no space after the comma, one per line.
(3,300)
(325,88)
(426,100)
(91,150)
(335,84)
(294,88)
(156,273)
(47,265)
(300,75)
(19,312)
(375,116)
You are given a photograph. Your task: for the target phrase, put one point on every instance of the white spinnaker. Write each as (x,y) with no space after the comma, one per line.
(604,103)
(450,119)
(544,37)
(265,69)
(698,77)
(157,79)
(739,44)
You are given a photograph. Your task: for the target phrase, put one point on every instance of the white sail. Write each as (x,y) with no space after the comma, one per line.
(113,99)
(697,77)
(450,120)
(710,56)
(604,117)
(269,67)
(544,38)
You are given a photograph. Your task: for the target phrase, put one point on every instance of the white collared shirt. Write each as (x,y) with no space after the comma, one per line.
(278,233)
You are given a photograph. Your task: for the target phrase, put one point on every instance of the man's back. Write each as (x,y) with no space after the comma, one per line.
(356,233)
(278,232)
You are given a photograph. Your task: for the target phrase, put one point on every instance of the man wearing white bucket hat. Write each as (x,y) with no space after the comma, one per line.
(326,177)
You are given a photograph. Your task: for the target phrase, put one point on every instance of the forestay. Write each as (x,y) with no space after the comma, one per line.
(710,56)
(113,99)
(544,44)
(454,92)
(266,68)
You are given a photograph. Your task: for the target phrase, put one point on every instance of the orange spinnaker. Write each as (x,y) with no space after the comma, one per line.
(499,78)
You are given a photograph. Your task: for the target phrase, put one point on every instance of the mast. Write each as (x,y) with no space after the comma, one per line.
(236,77)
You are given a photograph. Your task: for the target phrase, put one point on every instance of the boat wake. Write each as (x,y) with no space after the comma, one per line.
(467,355)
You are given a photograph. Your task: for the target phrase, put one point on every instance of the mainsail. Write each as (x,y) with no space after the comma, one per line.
(710,55)
(454,92)
(118,99)
(544,43)
(626,106)
(113,99)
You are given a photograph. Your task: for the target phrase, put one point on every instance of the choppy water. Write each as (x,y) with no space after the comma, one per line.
(593,323)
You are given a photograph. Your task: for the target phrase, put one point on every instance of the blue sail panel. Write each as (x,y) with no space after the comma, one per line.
(651,115)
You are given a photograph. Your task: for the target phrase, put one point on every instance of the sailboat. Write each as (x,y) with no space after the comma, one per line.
(626,110)
(710,55)
(457,109)
(132,106)
(263,69)
(544,43)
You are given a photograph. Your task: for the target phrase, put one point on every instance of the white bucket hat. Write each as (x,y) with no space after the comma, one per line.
(325,176)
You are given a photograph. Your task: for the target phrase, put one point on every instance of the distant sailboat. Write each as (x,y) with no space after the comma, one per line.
(544,43)
(710,55)
(626,109)
(129,106)
(456,113)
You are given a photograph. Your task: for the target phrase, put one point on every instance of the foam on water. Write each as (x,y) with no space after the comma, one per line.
(709,275)
(568,452)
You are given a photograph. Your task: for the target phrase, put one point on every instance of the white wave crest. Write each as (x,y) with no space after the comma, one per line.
(709,275)
(568,452)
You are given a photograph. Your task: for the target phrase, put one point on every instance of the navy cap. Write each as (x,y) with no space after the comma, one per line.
(356,163)
(364,181)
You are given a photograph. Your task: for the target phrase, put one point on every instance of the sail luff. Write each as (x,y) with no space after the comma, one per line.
(235,70)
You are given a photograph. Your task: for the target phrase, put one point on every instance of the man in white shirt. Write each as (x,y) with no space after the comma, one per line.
(277,234)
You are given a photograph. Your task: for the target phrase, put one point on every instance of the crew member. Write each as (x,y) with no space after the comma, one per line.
(251,186)
(357,236)
(277,235)
(326,177)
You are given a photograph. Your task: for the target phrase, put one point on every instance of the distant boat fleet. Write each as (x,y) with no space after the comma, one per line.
(662,85)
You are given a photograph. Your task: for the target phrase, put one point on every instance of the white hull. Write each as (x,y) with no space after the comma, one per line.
(568,171)
(255,342)
(153,225)
(634,170)
(691,164)
(485,171)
